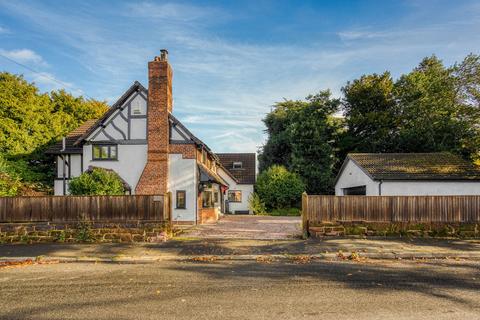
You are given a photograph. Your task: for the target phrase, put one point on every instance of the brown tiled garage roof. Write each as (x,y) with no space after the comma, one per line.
(415,166)
(245,175)
(71,138)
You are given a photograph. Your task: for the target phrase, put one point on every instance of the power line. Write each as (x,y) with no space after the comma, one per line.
(40,73)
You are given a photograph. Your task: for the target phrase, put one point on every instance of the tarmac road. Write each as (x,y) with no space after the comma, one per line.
(441,289)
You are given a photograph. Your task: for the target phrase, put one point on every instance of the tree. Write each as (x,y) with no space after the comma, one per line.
(370,114)
(431,109)
(279,188)
(312,134)
(435,112)
(97,181)
(30,121)
(302,137)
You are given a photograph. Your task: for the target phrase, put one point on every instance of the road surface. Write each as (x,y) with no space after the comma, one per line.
(337,290)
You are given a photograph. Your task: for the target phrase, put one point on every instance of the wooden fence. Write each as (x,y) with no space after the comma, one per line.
(95,208)
(423,209)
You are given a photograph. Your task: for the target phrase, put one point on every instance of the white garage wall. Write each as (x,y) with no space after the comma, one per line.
(353,176)
(183,176)
(420,188)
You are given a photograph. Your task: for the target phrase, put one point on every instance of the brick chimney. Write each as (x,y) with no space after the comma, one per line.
(154,179)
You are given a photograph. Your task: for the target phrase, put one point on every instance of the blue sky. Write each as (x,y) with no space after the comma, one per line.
(232,60)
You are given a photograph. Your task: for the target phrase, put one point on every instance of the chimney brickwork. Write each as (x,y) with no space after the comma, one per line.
(154,178)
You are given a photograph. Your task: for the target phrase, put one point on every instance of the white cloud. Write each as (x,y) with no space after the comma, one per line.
(363,34)
(172,11)
(4,30)
(24,56)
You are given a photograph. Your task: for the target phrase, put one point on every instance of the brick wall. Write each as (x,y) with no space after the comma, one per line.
(133,231)
(188,151)
(154,179)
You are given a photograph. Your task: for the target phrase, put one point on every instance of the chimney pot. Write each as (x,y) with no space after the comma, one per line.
(163,55)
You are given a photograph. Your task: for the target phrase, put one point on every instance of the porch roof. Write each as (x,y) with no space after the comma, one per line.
(207,175)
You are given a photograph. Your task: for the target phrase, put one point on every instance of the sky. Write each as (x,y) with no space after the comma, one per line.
(232,60)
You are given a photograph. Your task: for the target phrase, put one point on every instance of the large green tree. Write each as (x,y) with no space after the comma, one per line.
(30,121)
(433,108)
(370,114)
(302,138)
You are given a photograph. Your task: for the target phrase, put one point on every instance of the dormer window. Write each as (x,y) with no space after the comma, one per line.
(237,165)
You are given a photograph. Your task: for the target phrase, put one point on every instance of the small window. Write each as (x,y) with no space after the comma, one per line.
(181,202)
(355,191)
(137,110)
(234,196)
(104,152)
(207,199)
(215,197)
(237,165)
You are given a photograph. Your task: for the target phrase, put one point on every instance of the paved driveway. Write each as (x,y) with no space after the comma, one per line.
(248,227)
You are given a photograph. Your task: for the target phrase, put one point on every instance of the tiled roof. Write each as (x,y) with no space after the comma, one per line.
(70,140)
(245,175)
(415,166)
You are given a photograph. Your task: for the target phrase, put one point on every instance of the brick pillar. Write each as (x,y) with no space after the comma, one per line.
(154,179)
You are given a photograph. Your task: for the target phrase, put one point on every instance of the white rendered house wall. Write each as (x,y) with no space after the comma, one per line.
(130,164)
(246,189)
(182,176)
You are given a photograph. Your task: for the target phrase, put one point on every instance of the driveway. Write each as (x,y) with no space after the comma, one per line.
(248,227)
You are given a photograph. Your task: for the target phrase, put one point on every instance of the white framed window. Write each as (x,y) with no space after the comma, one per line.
(234,196)
(181,199)
(237,165)
(104,152)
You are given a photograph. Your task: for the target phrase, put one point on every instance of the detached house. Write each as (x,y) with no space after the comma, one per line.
(154,153)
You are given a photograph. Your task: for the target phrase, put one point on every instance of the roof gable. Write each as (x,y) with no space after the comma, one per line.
(244,175)
(135,87)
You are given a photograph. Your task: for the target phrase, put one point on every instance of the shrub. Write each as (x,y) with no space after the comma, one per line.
(278,188)
(296,212)
(256,204)
(84,230)
(97,181)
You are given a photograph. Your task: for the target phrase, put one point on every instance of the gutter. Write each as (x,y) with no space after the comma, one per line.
(380,187)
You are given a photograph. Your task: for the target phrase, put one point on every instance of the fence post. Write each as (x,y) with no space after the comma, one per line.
(305,213)
(167,208)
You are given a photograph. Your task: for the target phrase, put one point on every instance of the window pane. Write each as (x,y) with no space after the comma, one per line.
(181,199)
(96,152)
(237,165)
(104,152)
(207,199)
(235,196)
(215,197)
(113,152)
